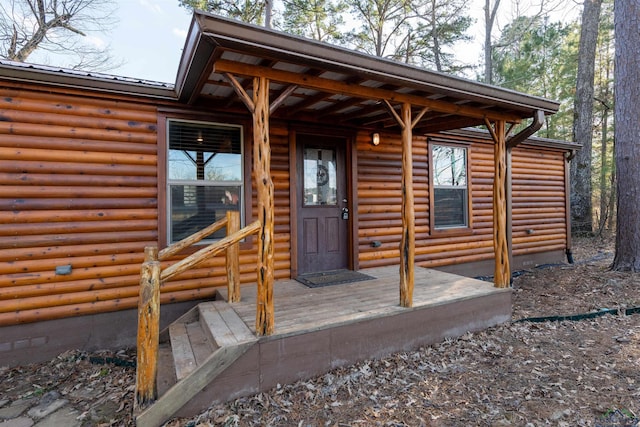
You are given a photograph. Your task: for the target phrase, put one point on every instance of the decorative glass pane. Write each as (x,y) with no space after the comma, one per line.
(449,165)
(319,177)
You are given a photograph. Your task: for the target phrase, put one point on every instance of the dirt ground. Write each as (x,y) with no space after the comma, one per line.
(558,373)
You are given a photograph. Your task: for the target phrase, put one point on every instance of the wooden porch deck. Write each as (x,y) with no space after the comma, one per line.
(300,309)
(319,329)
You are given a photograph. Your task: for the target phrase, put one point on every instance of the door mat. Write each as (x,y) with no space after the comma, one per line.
(328,278)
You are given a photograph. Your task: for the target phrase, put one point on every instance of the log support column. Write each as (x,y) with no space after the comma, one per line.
(264,187)
(502,272)
(408,240)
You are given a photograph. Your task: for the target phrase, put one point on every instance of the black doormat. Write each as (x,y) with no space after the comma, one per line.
(328,278)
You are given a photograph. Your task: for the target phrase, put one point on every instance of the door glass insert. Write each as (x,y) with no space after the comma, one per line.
(319,170)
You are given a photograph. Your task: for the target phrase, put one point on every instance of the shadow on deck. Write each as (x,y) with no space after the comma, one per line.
(319,329)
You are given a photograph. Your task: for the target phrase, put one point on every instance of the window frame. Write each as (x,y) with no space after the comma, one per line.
(455,230)
(165,183)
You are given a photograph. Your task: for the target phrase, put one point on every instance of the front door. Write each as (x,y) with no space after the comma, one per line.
(323,215)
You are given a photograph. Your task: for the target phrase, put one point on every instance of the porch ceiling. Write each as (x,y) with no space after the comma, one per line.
(327,84)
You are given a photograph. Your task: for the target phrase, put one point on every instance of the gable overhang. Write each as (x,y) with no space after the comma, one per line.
(326,83)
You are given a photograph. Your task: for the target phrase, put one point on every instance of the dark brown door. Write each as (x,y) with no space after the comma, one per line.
(323,216)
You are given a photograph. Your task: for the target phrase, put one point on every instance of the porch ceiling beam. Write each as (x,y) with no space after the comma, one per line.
(344,88)
(281,98)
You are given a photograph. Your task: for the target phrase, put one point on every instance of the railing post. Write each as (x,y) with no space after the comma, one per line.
(148,330)
(233,259)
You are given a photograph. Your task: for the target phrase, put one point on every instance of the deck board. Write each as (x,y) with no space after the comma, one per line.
(299,308)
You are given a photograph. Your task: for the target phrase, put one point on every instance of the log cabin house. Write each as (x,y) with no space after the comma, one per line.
(347,162)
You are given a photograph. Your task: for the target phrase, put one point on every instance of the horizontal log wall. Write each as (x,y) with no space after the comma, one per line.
(539,209)
(539,223)
(79,187)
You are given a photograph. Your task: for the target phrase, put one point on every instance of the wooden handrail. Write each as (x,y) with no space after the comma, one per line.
(170,251)
(211,250)
(151,278)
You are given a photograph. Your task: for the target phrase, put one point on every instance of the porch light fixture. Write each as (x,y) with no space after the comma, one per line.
(375,138)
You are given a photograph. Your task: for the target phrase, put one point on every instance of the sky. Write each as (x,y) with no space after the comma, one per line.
(149,38)
(150,35)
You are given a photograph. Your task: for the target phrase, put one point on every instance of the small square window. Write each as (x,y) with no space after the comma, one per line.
(449,180)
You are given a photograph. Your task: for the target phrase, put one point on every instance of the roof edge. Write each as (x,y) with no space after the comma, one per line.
(231,33)
(66,78)
(534,141)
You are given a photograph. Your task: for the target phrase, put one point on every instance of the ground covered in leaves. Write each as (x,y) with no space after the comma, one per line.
(561,373)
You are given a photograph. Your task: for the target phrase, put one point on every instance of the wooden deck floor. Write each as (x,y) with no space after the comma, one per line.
(319,329)
(300,309)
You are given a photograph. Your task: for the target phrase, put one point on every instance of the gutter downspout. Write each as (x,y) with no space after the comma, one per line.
(538,120)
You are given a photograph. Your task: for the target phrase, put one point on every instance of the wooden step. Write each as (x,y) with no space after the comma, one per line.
(204,342)
(183,357)
(223,325)
(166,375)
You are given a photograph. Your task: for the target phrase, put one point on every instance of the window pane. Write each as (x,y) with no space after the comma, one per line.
(204,176)
(450,207)
(204,152)
(196,207)
(449,165)
(319,177)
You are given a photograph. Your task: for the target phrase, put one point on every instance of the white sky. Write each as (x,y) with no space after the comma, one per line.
(150,36)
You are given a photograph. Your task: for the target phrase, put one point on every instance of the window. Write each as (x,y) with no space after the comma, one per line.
(204,176)
(320,177)
(449,177)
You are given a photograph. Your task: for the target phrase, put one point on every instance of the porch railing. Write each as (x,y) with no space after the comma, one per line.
(152,276)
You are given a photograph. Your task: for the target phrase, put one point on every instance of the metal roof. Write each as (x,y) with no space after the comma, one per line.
(64,77)
(327,83)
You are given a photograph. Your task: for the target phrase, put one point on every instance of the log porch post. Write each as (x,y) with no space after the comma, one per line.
(502,272)
(264,187)
(232,258)
(408,240)
(148,330)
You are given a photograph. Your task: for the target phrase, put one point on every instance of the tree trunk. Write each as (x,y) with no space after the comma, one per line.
(604,195)
(581,209)
(489,19)
(627,134)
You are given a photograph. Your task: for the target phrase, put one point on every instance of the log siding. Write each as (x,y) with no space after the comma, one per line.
(80,186)
(79,189)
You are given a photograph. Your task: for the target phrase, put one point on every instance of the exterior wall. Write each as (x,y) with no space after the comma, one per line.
(539,208)
(81,187)
(539,201)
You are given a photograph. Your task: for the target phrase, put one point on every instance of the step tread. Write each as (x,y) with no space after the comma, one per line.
(201,345)
(224,324)
(183,357)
